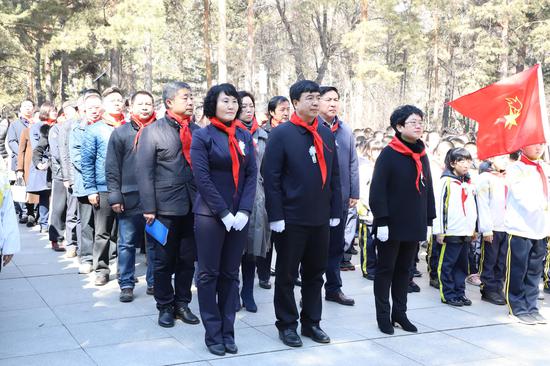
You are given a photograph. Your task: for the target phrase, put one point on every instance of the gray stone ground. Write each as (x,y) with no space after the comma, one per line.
(50,315)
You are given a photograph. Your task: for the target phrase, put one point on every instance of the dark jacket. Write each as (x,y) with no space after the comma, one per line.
(55,157)
(120,172)
(293,184)
(394,199)
(347,162)
(93,154)
(165,179)
(14,134)
(214,175)
(39,180)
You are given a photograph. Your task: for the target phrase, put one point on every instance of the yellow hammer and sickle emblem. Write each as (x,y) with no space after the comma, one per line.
(514,111)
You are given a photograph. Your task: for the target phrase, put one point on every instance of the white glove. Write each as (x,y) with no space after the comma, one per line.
(228,221)
(382,233)
(277,226)
(240,221)
(334,222)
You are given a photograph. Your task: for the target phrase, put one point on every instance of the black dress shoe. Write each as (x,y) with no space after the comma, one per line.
(184,313)
(465,301)
(316,334)
(250,305)
(492,297)
(385,326)
(231,348)
(265,284)
(340,298)
(369,276)
(166,317)
(217,349)
(290,338)
(453,302)
(413,287)
(434,282)
(404,323)
(347,266)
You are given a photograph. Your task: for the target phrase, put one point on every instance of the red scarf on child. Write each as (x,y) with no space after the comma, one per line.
(234,148)
(400,147)
(185,134)
(526,161)
(142,123)
(317,142)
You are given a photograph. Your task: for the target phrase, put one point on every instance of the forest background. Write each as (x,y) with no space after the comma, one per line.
(378,53)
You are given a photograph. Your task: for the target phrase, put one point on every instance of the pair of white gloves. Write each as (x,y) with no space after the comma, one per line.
(383,233)
(237,222)
(279,226)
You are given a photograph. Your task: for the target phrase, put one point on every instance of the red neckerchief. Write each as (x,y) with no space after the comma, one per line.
(464,193)
(252,129)
(50,122)
(335,126)
(91,122)
(115,120)
(400,147)
(185,133)
(234,148)
(317,142)
(526,161)
(142,123)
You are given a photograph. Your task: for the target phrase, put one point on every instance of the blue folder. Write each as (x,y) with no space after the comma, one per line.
(158,231)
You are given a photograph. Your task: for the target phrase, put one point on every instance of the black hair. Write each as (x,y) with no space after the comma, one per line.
(325,89)
(141,92)
(515,156)
(244,93)
(455,155)
(400,115)
(111,90)
(301,87)
(274,103)
(211,98)
(486,166)
(45,109)
(88,91)
(170,89)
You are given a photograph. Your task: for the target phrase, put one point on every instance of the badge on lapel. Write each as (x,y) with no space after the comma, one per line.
(313,154)
(242,146)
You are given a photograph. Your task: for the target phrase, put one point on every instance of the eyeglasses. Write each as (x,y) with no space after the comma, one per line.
(415,123)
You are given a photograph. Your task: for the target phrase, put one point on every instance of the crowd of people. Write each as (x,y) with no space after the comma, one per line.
(210,199)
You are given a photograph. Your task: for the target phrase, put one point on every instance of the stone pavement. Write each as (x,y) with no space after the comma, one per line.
(50,315)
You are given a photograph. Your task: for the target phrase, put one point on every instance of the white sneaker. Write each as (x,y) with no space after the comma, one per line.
(85,268)
(524,319)
(539,318)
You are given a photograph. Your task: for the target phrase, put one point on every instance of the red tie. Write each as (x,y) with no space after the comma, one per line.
(526,161)
(234,148)
(400,147)
(317,142)
(185,134)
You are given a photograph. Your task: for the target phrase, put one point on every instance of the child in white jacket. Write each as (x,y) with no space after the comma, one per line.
(9,230)
(455,226)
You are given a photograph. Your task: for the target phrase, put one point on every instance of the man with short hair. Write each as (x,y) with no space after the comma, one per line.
(349,178)
(14,134)
(94,152)
(303,200)
(167,192)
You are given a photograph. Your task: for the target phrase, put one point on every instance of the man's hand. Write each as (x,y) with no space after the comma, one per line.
(149,218)
(118,208)
(42,166)
(353,202)
(7,259)
(94,199)
(19,174)
(440,239)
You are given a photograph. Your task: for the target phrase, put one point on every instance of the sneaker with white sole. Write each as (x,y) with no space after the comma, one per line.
(85,268)
(524,319)
(539,318)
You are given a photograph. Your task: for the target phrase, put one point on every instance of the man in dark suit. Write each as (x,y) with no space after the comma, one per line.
(303,199)
(166,190)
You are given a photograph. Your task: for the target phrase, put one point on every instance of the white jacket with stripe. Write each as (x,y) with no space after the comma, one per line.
(491,202)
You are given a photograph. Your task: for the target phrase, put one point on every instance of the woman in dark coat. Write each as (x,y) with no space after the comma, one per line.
(224,168)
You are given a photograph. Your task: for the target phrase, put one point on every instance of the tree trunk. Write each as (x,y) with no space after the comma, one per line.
(404,76)
(115,66)
(48,80)
(64,77)
(364,10)
(505,46)
(296,50)
(249,79)
(435,93)
(222,43)
(38,76)
(522,55)
(148,63)
(206,40)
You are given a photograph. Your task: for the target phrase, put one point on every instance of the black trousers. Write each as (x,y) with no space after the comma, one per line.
(87,231)
(546,269)
(176,257)
(308,246)
(104,224)
(367,249)
(492,265)
(432,257)
(335,255)
(523,273)
(219,255)
(392,272)
(57,227)
(453,267)
(263,265)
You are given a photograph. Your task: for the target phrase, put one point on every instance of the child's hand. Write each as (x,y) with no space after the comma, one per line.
(474,237)
(440,239)
(488,238)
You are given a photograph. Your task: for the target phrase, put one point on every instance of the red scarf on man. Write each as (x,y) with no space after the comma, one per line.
(140,122)
(543,177)
(185,134)
(115,120)
(234,148)
(91,122)
(335,126)
(317,142)
(50,122)
(400,147)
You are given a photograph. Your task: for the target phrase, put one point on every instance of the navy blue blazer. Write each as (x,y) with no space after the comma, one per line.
(213,173)
(292,181)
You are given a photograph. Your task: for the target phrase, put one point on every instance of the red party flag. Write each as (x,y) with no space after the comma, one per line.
(508,113)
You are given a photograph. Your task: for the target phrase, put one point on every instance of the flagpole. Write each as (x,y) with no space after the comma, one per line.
(543,111)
